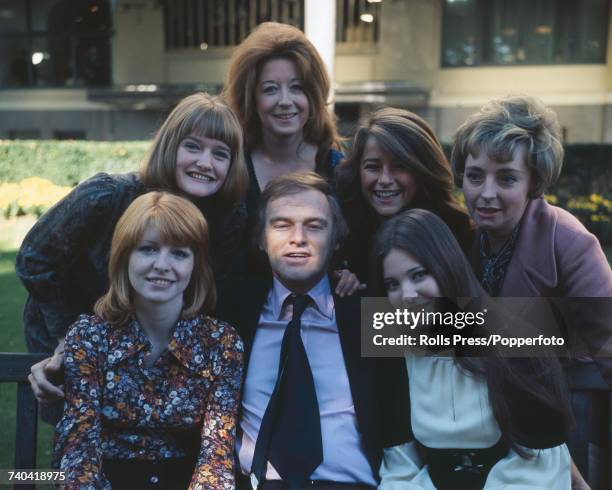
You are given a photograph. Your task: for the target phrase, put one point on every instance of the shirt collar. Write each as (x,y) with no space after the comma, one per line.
(321,296)
(187,345)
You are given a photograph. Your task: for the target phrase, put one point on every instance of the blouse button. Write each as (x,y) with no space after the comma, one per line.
(154,479)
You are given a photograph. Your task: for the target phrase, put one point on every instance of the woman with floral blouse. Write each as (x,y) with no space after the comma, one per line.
(152,383)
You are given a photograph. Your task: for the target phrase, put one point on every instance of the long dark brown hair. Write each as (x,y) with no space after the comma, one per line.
(539,381)
(414,146)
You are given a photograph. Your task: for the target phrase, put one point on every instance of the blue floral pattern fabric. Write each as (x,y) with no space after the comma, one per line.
(117,407)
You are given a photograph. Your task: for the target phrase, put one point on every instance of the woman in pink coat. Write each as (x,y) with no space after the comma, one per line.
(504,158)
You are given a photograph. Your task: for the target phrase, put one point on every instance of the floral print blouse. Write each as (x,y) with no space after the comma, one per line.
(117,408)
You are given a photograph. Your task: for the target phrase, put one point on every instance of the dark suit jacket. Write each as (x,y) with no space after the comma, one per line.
(381,421)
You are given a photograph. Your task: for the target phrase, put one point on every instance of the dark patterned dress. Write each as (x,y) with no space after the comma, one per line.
(119,409)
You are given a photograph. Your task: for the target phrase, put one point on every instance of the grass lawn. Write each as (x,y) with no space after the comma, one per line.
(11,340)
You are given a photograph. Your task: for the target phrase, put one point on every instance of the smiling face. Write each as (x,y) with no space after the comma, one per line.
(159,273)
(298,239)
(406,280)
(202,165)
(281,103)
(386,186)
(496,194)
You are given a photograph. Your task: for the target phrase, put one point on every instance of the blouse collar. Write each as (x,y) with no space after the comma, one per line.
(187,344)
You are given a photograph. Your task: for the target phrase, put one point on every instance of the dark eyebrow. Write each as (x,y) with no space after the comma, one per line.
(416,268)
(220,145)
(374,160)
(505,170)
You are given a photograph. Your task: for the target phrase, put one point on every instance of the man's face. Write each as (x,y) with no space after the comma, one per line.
(298,239)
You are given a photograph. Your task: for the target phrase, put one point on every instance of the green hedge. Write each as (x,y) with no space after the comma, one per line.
(585,186)
(67,163)
(587,168)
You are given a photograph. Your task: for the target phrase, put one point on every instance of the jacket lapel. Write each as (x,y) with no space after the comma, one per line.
(361,372)
(532,270)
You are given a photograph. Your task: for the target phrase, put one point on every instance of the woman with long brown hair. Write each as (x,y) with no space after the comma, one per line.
(477,422)
(396,162)
(278,86)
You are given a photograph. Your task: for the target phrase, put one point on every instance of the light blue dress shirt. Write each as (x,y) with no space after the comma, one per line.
(344,457)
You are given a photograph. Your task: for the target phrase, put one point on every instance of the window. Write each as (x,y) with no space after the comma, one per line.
(207,23)
(213,23)
(54,43)
(524,32)
(357,21)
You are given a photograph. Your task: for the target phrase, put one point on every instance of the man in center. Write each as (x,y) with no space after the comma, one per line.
(311,407)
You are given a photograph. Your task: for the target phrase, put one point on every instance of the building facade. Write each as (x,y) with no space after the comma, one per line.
(111,69)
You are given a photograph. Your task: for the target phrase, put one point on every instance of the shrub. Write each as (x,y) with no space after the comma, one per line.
(66,163)
(30,196)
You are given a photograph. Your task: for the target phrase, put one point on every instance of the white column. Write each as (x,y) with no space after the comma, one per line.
(320,29)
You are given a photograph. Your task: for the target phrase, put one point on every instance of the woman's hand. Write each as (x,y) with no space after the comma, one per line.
(46,370)
(348,283)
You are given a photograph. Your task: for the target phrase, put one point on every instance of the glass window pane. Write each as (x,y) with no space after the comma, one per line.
(461,34)
(15,62)
(12,16)
(92,60)
(42,13)
(521,32)
(582,36)
(516,32)
(70,15)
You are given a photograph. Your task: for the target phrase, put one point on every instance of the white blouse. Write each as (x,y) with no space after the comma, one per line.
(450,409)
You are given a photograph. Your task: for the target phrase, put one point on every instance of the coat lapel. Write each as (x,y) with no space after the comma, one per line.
(532,270)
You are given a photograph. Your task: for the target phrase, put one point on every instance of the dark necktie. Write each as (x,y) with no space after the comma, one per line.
(290,432)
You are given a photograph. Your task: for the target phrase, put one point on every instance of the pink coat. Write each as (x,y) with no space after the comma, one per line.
(555,256)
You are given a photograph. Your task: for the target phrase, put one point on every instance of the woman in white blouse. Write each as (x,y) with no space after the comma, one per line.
(476,423)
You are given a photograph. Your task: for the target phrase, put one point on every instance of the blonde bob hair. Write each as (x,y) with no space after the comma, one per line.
(200,115)
(502,126)
(272,40)
(180,223)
